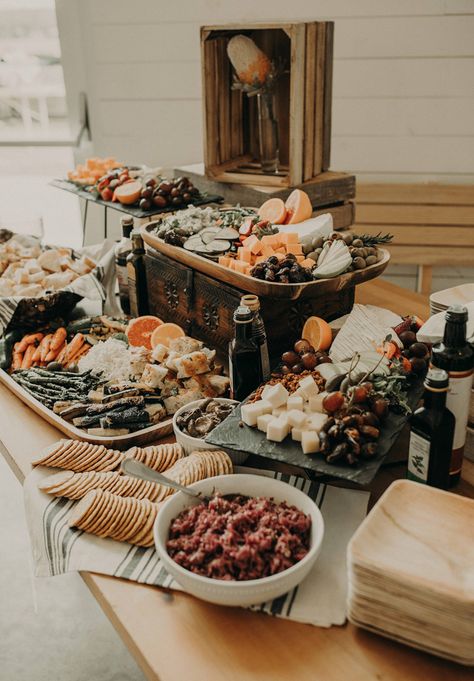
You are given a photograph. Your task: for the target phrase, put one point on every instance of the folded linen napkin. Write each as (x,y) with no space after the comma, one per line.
(319,600)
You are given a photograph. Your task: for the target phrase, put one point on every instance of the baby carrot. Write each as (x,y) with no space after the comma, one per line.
(58,338)
(28,357)
(44,345)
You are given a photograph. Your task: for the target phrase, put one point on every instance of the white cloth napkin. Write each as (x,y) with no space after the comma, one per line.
(432,330)
(320,600)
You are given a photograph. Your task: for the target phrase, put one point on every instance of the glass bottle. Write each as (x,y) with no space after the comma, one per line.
(432,433)
(122,249)
(136,272)
(258,333)
(456,356)
(244,356)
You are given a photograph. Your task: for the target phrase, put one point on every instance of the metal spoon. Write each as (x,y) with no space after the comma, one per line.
(139,470)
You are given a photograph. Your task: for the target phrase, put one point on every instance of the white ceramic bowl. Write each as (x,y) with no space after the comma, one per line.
(192,444)
(253,591)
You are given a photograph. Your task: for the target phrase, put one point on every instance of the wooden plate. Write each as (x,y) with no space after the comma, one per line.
(262,288)
(141,437)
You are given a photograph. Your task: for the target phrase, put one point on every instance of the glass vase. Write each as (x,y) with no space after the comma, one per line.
(268,132)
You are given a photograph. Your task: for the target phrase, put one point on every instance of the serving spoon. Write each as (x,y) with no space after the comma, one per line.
(139,470)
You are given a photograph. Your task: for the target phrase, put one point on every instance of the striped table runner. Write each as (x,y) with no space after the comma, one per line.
(319,600)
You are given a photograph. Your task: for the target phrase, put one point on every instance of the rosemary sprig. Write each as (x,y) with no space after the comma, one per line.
(374,239)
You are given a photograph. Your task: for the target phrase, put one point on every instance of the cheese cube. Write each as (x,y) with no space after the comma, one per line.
(316,403)
(292,238)
(262,422)
(249,241)
(296,249)
(315,421)
(280,254)
(294,402)
(278,429)
(280,249)
(296,418)
(251,412)
(261,258)
(300,392)
(296,434)
(267,251)
(307,262)
(309,387)
(240,266)
(244,254)
(309,442)
(265,406)
(277,395)
(299,258)
(279,411)
(265,390)
(256,247)
(223,260)
(267,240)
(159,352)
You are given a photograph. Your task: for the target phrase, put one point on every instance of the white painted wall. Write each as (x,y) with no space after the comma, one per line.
(403,79)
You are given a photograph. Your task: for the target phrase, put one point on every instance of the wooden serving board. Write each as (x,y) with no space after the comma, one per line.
(139,438)
(266,289)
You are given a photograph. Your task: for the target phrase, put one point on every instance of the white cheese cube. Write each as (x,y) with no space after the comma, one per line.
(296,434)
(159,353)
(265,390)
(316,403)
(277,395)
(296,418)
(299,392)
(309,442)
(309,387)
(265,406)
(278,429)
(279,411)
(315,421)
(251,412)
(294,402)
(262,422)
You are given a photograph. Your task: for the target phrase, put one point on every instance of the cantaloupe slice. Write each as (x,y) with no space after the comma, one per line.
(128,192)
(298,207)
(139,330)
(165,333)
(273,210)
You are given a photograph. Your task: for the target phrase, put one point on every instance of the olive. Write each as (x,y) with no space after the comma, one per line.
(186,197)
(418,365)
(358,243)
(145,204)
(285,370)
(159,201)
(325,360)
(408,338)
(165,187)
(314,255)
(146,193)
(371,260)
(182,186)
(348,237)
(306,248)
(333,401)
(178,180)
(380,407)
(302,346)
(290,358)
(317,242)
(418,350)
(176,200)
(359,263)
(175,192)
(297,368)
(151,182)
(309,360)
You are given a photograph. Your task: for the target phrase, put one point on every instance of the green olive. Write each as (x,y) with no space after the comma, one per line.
(358,243)
(359,263)
(371,260)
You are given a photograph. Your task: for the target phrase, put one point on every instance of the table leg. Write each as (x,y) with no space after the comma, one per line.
(424,279)
(105,222)
(84,223)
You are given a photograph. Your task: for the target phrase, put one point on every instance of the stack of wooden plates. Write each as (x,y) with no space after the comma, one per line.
(457,295)
(411,570)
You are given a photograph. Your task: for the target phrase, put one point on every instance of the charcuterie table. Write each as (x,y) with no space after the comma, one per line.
(175,636)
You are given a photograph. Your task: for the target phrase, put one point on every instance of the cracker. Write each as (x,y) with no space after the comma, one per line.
(133,518)
(50,452)
(147,527)
(55,481)
(83,508)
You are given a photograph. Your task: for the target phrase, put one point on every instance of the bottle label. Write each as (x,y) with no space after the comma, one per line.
(265,361)
(418,458)
(457,401)
(122,278)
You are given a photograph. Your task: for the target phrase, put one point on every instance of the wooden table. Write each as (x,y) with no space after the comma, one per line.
(174,636)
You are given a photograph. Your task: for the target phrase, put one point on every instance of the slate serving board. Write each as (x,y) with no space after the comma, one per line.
(233,434)
(134,211)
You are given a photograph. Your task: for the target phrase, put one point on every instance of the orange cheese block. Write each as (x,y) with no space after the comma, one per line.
(249,241)
(299,258)
(224,260)
(281,249)
(307,262)
(256,247)
(267,240)
(267,251)
(260,258)
(292,238)
(244,254)
(280,256)
(240,266)
(294,248)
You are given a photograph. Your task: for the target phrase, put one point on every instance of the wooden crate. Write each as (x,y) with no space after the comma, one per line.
(330,192)
(303,104)
(204,306)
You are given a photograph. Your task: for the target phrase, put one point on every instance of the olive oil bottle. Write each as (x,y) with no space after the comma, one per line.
(137,288)
(244,356)
(258,333)
(432,432)
(456,356)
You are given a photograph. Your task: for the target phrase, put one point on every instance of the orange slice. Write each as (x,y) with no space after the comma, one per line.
(128,192)
(317,332)
(139,330)
(298,207)
(273,210)
(165,333)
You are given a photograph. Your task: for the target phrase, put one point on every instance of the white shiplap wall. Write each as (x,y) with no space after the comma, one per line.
(403,79)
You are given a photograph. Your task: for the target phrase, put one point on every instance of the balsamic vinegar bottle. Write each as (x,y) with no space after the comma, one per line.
(456,356)
(122,249)
(137,288)
(431,435)
(258,333)
(244,357)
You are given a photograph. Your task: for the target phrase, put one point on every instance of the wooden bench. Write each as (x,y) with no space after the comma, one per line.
(432,224)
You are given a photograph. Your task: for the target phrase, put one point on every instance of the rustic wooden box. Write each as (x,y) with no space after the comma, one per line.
(303,103)
(204,306)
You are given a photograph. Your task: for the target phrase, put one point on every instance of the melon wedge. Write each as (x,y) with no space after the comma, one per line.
(128,192)
(139,330)
(298,207)
(273,210)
